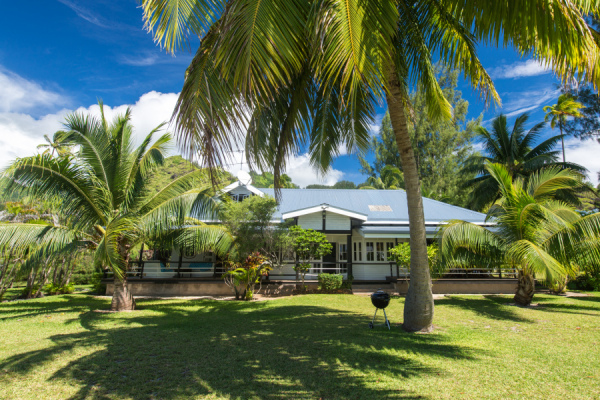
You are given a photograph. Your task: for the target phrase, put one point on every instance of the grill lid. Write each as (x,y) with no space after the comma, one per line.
(380,299)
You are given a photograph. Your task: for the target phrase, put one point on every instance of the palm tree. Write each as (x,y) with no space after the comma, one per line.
(566,107)
(312,72)
(516,149)
(534,233)
(104,191)
(390,178)
(57,143)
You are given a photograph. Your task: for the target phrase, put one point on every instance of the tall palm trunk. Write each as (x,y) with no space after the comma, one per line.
(418,308)
(122,299)
(562,139)
(525,288)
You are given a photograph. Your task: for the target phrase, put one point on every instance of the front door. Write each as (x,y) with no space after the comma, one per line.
(329,261)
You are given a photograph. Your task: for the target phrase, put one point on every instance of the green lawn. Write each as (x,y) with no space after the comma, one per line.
(315,346)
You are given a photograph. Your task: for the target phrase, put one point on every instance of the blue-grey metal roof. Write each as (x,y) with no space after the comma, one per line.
(359,201)
(402,229)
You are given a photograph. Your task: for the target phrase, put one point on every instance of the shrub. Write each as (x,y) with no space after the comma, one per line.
(347,284)
(330,281)
(585,282)
(56,289)
(97,286)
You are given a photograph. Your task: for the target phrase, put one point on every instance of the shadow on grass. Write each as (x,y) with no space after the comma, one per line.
(232,349)
(488,306)
(50,305)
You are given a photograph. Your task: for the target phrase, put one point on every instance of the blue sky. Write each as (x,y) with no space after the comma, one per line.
(68,53)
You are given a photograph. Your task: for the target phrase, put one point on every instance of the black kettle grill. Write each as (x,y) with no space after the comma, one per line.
(380,300)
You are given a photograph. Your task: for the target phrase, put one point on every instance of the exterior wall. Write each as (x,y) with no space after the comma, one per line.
(311,221)
(336,222)
(201,266)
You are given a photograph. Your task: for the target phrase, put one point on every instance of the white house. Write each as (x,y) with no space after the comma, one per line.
(362,226)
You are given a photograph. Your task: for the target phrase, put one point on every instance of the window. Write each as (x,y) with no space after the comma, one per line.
(380,254)
(357,251)
(370,251)
(343,252)
(388,247)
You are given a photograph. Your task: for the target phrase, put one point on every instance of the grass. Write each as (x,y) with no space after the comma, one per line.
(314,346)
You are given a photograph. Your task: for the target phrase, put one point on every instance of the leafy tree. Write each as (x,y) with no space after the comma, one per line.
(440,146)
(337,185)
(176,166)
(309,245)
(251,223)
(267,180)
(535,233)
(560,112)
(104,191)
(401,256)
(517,150)
(311,73)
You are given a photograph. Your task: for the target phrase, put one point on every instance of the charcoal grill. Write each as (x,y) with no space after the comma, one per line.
(380,300)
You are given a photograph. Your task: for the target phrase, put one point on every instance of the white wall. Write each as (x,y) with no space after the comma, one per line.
(337,222)
(311,221)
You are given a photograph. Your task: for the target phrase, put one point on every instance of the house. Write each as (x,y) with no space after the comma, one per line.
(362,225)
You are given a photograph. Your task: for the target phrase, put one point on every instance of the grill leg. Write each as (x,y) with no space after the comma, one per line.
(372,324)
(387,322)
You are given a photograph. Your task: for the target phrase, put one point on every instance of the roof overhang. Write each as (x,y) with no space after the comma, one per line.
(324,207)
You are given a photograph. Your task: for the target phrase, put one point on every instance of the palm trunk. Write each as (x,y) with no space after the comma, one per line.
(122,300)
(562,139)
(525,288)
(418,308)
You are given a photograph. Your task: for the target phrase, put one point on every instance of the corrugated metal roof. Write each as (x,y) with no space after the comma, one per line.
(359,201)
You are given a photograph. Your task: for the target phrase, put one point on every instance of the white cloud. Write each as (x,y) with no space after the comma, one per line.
(586,153)
(19,94)
(84,13)
(20,133)
(519,70)
(298,168)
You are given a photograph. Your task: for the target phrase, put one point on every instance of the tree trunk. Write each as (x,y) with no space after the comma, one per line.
(122,300)
(418,308)
(525,288)
(562,139)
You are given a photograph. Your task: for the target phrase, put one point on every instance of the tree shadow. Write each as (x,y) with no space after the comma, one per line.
(238,350)
(49,305)
(488,306)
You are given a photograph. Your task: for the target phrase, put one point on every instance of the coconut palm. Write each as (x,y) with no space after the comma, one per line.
(390,178)
(566,107)
(56,144)
(514,148)
(534,233)
(311,72)
(104,191)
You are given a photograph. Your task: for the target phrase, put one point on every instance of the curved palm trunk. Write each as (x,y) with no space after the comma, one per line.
(525,288)
(562,139)
(122,300)
(418,308)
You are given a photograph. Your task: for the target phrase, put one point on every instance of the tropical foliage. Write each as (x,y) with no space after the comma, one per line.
(517,150)
(586,126)
(440,146)
(559,113)
(389,178)
(267,180)
(309,245)
(311,73)
(535,233)
(250,223)
(103,192)
(243,277)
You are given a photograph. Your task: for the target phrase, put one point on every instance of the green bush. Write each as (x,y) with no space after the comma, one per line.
(97,286)
(330,281)
(585,282)
(347,284)
(56,289)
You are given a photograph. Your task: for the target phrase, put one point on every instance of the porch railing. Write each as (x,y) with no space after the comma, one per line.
(460,273)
